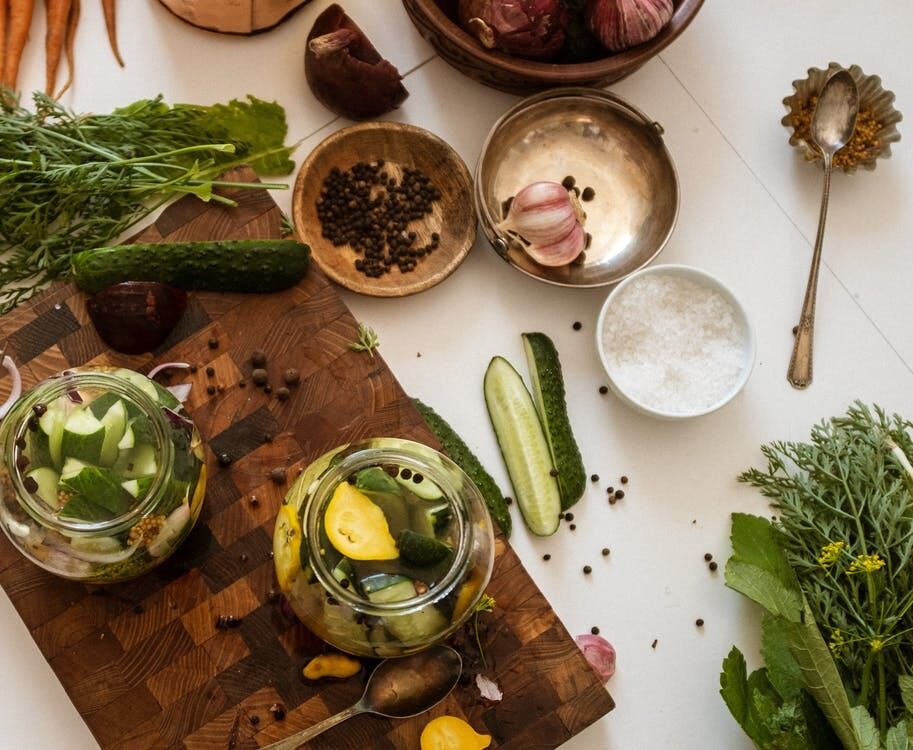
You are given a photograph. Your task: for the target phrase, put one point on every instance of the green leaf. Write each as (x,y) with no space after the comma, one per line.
(866,731)
(821,678)
(898,737)
(782,670)
(757,542)
(741,699)
(906,692)
(765,588)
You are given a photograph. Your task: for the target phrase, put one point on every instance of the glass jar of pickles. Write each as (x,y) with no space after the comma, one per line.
(102,474)
(383,547)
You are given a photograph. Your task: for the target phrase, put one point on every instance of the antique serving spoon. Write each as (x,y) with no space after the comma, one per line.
(398,689)
(832,127)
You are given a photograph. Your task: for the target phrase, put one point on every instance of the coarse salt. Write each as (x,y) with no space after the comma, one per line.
(673,344)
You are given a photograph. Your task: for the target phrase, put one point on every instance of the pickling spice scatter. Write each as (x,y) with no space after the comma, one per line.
(370,210)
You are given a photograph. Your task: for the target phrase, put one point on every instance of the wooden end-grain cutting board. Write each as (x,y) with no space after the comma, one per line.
(143,662)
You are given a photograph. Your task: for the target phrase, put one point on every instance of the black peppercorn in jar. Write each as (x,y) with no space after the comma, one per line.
(110,482)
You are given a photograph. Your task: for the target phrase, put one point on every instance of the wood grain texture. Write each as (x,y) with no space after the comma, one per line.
(143,661)
(400,145)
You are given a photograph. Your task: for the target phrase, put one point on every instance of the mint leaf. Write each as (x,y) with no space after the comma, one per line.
(898,737)
(866,731)
(782,669)
(763,587)
(906,691)
(821,678)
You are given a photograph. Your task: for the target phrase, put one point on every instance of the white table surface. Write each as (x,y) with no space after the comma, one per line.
(748,213)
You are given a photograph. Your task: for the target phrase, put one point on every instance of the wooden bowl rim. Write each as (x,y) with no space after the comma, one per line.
(561,72)
(365,285)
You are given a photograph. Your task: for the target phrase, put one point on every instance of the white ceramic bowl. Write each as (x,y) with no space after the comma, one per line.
(707,280)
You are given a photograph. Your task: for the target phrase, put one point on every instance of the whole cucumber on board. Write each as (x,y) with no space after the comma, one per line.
(548,393)
(463,457)
(215,265)
(524,447)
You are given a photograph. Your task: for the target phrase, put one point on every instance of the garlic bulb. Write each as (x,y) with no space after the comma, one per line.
(620,24)
(549,220)
(526,28)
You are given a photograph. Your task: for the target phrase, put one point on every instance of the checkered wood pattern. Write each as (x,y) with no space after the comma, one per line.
(143,661)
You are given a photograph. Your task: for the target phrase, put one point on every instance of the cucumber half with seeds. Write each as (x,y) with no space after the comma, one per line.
(524,447)
(548,393)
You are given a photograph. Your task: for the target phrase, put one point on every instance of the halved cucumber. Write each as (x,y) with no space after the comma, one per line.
(83,437)
(421,550)
(46,479)
(51,424)
(523,446)
(138,488)
(128,440)
(548,393)
(375,479)
(399,590)
(140,381)
(115,424)
(71,467)
(100,486)
(140,461)
(425,488)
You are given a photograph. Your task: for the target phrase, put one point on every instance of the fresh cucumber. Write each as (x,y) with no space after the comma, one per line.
(101,486)
(83,437)
(418,549)
(115,423)
(459,452)
(375,478)
(523,446)
(396,591)
(140,461)
(46,479)
(549,395)
(217,265)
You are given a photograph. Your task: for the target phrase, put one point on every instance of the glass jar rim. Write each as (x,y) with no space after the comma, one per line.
(374,455)
(15,423)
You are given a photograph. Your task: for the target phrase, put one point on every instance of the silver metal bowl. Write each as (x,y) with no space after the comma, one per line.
(604,143)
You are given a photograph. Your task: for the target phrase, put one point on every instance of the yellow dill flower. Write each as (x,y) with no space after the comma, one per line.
(830,553)
(837,642)
(866,564)
(877,644)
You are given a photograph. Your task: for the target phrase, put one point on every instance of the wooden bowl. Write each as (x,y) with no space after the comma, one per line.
(435,21)
(399,145)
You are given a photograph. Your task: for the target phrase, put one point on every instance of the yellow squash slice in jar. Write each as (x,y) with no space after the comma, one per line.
(357,527)
(452,733)
(287,547)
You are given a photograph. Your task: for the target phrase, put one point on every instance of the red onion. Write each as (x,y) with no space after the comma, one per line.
(620,24)
(16,391)
(167,366)
(526,28)
(599,653)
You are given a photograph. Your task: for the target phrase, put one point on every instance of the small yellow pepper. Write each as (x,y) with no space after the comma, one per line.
(452,733)
(357,527)
(335,665)
(287,547)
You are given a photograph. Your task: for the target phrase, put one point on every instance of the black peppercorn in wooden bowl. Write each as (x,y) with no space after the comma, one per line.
(385,207)
(435,20)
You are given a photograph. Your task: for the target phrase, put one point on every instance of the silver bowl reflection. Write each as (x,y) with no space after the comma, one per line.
(604,143)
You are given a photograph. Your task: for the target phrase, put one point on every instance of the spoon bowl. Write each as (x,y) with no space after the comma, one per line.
(397,689)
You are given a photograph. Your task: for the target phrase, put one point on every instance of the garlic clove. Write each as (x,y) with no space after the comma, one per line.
(621,24)
(561,252)
(542,213)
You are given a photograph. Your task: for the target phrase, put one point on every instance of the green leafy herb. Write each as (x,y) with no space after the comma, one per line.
(367,340)
(70,182)
(845,520)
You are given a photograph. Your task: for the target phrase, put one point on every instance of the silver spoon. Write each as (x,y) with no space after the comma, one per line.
(833,123)
(398,689)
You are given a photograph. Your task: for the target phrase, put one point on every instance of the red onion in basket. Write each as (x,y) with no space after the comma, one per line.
(620,24)
(526,28)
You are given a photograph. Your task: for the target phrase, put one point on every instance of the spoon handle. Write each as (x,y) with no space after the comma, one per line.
(799,374)
(305,735)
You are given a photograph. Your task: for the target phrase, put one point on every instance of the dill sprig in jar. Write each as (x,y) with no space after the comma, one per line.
(102,474)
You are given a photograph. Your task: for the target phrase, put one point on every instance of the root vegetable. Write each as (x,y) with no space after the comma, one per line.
(4,13)
(72,21)
(57,13)
(19,22)
(110,11)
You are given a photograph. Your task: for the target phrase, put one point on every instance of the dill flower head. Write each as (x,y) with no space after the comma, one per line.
(866,564)
(830,553)
(837,642)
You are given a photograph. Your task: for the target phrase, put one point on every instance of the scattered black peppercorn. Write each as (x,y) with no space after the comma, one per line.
(699,622)
(619,495)
(594,630)
(655,641)
(138,609)
(708,557)
(22,462)
(277,475)
(406,473)
(553,472)
(573,527)
(254,501)
(267,389)
(224,459)
(255,719)
(213,343)
(32,424)
(242,383)
(210,371)
(605,551)
(795,330)
(291,376)
(577,325)
(193,368)
(258,358)
(259,376)
(30,484)
(568,516)
(603,389)
(587,570)
(546,557)
(243,557)
(610,490)
(39,409)
(594,477)
(418,478)
(624,479)
(509,500)
(613,500)
(568,182)
(588,194)
(277,711)
(272,596)
(20,443)
(713,566)
(344,583)
(210,389)
(267,438)
(282,393)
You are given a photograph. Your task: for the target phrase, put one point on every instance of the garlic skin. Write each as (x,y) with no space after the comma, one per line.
(525,28)
(621,24)
(549,220)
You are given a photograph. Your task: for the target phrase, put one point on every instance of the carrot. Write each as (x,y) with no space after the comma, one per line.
(111,24)
(72,21)
(4,12)
(20,19)
(58,16)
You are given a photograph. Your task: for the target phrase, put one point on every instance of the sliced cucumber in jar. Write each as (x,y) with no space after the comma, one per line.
(83,437)
(375,479)
(416,627)
(398,591)
(101,486)
(51,423)
(419,485)
(421,550)
(140,461)
(46,479)
(115,424)
(378,582)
